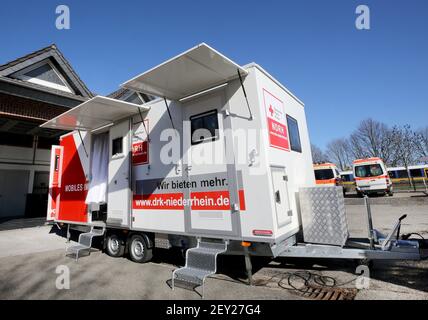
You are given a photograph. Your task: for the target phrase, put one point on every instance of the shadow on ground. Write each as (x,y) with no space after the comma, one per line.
(410,274)
(11,223)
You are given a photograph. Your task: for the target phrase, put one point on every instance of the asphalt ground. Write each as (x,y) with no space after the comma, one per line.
(29,258)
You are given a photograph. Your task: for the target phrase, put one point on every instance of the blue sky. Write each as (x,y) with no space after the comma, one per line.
(342,74)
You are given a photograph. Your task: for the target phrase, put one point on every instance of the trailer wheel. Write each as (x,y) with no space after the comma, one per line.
(115,246)
(139,250)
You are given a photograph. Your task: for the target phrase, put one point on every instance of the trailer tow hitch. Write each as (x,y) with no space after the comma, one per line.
(392,241)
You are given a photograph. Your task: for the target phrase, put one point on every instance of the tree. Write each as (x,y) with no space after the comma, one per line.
(404,145)
(317,154)
(372,139)
(421,142)
(339,152)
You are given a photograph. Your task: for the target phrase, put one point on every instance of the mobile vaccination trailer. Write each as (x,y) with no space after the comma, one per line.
(215,162)
(221,154)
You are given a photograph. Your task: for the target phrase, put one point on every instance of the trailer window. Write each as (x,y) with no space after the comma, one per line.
(204,127)
(293,133)
(117,146)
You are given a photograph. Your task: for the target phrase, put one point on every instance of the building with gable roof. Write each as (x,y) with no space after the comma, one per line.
(33,89)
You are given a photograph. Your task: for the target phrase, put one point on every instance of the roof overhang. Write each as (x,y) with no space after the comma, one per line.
(193,71)
(39,93)
(93,114)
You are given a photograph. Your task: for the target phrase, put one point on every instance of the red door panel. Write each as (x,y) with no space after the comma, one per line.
(73,187)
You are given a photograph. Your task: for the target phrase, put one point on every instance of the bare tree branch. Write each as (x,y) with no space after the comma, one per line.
(340,153)
(317,154)
(421,142)
(372,139)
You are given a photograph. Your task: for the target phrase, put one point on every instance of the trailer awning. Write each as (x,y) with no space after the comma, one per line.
(193,71)
(93,114)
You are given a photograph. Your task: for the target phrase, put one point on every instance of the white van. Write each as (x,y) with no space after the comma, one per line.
(371,176)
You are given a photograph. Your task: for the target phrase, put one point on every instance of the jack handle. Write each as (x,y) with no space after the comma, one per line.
(402,217)
(399,225)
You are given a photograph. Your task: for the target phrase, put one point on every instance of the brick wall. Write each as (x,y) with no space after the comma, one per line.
(28,109)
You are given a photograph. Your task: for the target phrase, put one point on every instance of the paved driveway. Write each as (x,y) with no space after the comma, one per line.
(29,258)
(32,276)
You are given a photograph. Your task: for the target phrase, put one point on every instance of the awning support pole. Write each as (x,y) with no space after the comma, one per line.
(169,113)
(83,144)
(144,125)
(245,94)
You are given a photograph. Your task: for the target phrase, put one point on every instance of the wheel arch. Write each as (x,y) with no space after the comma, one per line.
(148,237)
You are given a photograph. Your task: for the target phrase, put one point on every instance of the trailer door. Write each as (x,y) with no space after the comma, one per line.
(119,188)
(280,195)
(208,209)
(54,183)
(85,119)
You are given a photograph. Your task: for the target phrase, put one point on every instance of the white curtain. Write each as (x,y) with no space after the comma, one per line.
(97,192)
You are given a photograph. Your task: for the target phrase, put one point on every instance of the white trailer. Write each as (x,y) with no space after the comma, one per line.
(216,162)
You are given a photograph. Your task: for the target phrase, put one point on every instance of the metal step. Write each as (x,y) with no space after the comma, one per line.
(201,262)
(85,240)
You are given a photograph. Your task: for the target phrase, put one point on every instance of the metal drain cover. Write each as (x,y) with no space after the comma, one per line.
(323,293)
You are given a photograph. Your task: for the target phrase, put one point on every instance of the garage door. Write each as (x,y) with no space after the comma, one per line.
(13,192)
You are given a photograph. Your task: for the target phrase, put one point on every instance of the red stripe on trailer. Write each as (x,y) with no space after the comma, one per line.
(158,201)
(73,184)
(241,200)
(203,200)
(210,200)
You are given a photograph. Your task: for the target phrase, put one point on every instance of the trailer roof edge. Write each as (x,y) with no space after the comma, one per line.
(255,65)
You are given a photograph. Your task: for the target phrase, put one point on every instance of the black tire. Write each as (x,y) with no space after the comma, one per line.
(138,249)
(115,246)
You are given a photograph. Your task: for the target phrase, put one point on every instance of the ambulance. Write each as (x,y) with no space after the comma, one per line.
(326,174)
(371,176)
